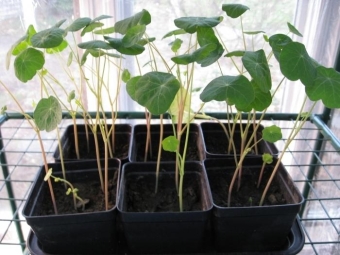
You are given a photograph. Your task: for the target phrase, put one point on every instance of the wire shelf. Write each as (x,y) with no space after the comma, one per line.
(312,160)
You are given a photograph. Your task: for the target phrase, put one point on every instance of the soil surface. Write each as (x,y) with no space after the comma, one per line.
(248,194)
(141,196)
(90,190)
(218,143)
(191,154)
(87,149)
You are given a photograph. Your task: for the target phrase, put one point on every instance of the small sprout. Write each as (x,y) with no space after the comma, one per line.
(250,201)
(3,110)
(170,143)
(267,158)
(57,179)
(69,191)
(48,175)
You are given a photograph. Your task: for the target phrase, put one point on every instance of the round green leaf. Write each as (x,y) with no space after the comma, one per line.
(256,64)
(293,29)
(234,10)
(126,76)
(190,24)
(267,158)
(295,63)
(174,32)
(117,43)
(90,27)
(47,114)
(325,87)
(27,63)
(156,91)
(262,99)
(140,18)
(206,36)
(236,89)
(95,44)
(78,24)
(170,143)
(131,86)
(133,35)
(277,42)
(271,134)
(176,45)
(48,38)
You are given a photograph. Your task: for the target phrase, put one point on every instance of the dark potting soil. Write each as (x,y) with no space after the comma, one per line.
(89,190)
(248,194)
(141,196)
(87,148)
(218,143)
(191,154)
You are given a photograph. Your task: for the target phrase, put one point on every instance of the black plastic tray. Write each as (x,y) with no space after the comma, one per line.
(295,243)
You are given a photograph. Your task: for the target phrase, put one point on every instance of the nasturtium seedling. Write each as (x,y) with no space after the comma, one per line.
(170,143)
(47,114)
(27,63)
(272,134)
(234,10)
(156,91)
(267,158)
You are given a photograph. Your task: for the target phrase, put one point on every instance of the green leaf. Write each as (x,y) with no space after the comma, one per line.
(198,55)
(104,31)
(234,10)
(267,158)
(95,44)
(78,24)
(156,91)
(176,45)
(277,42)
(49,38)
(117,43)
(59,23)
(145,41)
(206,36)
(236,89)
(272,134)
(140,18)
(253,32)
(71,96)
(295,63)
(101,17)
(89,28)
(133,35)
(27,63)
(236,53)
(293,30)
(47,114)
(126,76)
(170,143)
(325,87)
(131,87)
(262,99)
(190,24)
(59,48)
(256,64)
(174,32)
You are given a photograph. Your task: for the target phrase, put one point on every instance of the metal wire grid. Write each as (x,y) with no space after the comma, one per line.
(311,159)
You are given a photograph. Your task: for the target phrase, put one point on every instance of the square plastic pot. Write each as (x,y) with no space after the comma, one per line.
(165,232)
(78,233)
(252,228)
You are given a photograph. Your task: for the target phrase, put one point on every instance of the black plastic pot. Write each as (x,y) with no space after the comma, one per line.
(162,231)
(216,141)
(252,228)
(79,233)
(137,150)
(87,146)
